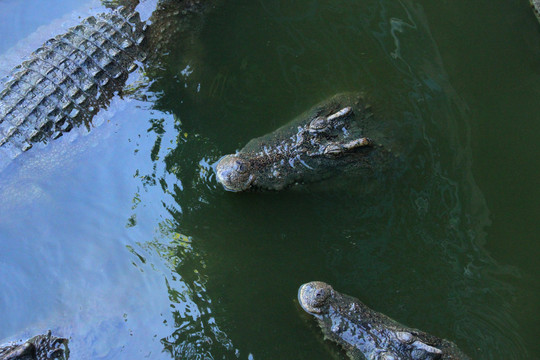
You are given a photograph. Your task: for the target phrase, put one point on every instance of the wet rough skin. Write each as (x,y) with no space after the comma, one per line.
(68,79)
(328,138)
(40,347)
(535,4)
(366,334)
(71,77)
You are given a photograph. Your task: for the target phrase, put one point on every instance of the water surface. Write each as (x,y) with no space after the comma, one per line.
(122,241)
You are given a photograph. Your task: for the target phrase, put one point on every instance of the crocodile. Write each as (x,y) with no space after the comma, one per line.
(65,82)
(40,347)
(366,334)
(328,138)
(535,4)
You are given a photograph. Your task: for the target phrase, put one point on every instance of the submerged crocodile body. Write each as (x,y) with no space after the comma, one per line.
(328,138)
(71,77)
(366,334)
(40,347)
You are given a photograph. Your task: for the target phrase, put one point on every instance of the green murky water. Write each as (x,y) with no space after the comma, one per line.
(122,241)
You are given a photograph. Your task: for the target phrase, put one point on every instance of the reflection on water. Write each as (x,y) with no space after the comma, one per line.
(145,255)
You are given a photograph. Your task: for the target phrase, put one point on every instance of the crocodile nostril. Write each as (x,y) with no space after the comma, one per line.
(319,297)
(240,166)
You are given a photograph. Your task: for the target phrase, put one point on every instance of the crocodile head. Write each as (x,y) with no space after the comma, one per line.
(321,142)
(39,347)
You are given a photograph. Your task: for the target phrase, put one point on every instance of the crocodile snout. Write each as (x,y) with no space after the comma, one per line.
(233,173)
(313,295)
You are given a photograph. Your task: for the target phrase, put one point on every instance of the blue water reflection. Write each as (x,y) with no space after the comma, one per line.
(121,240)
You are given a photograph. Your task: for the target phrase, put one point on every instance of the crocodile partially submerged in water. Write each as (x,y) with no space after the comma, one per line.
(328,138)
(64,83)
(366,334)
(40,347)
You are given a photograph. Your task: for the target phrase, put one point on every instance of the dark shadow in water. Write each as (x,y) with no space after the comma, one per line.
(410,246)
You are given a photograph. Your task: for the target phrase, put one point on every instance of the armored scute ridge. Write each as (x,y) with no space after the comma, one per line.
(366,334)
(68,79)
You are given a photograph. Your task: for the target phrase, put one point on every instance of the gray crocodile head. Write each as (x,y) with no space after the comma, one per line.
(39,347)
(317,144)
(365,333)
